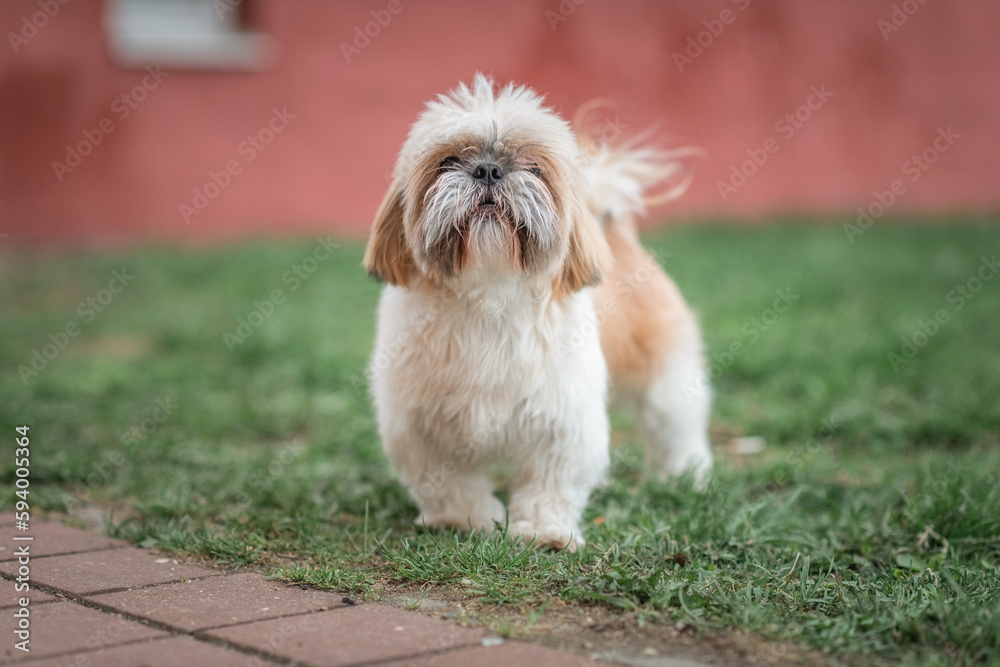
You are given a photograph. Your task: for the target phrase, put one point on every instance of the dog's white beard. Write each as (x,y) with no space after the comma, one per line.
(524,213)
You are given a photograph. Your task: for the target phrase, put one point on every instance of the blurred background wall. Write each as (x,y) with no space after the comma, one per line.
(202,120)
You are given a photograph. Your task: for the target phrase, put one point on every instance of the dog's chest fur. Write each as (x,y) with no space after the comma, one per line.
(491,369)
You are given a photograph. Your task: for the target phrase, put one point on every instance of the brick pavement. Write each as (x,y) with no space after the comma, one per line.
(96,601)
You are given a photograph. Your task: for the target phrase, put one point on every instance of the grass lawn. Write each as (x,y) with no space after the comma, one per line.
(868,528)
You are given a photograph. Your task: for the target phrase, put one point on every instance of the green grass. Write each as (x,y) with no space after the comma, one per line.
(869,528)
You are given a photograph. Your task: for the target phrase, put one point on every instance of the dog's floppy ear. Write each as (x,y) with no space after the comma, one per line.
(589,256)
(387,257)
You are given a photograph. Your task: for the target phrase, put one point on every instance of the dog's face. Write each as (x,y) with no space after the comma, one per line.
(487,185)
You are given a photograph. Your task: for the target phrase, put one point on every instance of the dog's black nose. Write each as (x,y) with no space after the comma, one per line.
(487,172)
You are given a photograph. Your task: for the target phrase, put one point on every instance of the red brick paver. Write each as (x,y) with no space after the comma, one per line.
(173,652)
(507,654)
(10,597)
(99,571)
(104,603)
(61,627)
(349,636)
(208,603)
(54,538)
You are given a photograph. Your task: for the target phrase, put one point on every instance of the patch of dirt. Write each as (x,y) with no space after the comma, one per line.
(599,631)
(114,347)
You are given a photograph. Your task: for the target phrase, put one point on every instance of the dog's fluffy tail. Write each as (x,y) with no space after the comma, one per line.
(623,180)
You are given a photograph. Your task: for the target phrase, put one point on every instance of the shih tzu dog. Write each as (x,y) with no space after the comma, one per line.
(516,285)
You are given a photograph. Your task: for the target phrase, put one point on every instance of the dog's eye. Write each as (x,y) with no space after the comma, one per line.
(535,170)
(448,162)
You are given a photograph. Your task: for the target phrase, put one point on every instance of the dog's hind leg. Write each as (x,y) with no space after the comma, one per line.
(673,412)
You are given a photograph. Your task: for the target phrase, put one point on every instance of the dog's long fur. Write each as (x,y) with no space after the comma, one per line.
(507,304)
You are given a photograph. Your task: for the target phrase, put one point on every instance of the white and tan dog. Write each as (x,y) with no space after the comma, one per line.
(516,282)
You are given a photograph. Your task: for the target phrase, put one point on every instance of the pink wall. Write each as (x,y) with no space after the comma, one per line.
(326,169)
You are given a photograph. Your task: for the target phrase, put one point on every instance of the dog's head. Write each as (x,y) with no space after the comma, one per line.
(488,184)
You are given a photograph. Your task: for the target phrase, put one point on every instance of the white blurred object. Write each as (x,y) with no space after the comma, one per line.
(197,34)
(751,444)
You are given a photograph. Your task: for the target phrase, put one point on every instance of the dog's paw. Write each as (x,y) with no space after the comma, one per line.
(698,466)
(484,516)
(556,537)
